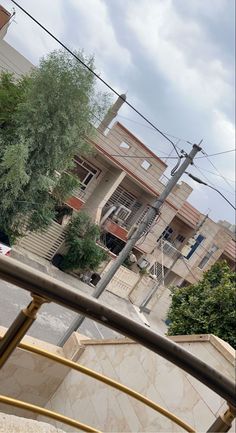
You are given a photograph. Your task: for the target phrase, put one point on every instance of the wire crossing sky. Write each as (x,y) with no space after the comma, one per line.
(177,65)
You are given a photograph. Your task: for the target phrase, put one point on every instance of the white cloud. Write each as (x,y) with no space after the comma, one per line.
(174,45)
(99,35)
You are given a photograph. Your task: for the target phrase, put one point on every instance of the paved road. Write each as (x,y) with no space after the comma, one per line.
(52,321)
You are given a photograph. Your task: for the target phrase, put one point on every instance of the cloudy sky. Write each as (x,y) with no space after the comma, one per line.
(174,58)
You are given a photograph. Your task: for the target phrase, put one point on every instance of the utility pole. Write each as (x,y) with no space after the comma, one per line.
(156,286)
(141,229)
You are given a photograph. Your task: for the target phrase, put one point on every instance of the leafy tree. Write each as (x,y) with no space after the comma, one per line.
(207,307)
(45,119)
(83,253)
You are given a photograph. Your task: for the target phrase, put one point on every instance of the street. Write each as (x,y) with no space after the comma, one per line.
(53,320)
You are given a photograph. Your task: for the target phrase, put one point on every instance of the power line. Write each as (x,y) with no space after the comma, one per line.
(118,135)
(190,271)
(209,186)
(212,184)
(216,169)
(148,127)
(211,172)
(215,154)
(142,157)
(96,75)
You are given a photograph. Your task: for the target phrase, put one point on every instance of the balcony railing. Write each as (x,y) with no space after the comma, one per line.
(169,249)
(79,193)
(45,289)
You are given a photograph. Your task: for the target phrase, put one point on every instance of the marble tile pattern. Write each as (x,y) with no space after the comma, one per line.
(29,377)
(96,404)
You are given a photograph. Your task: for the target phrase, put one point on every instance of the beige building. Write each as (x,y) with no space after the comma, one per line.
(118,184)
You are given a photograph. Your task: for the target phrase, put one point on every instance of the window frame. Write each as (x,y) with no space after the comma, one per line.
(92,172)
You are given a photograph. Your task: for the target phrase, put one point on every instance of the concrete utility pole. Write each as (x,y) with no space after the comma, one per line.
(141,229)
(156,286)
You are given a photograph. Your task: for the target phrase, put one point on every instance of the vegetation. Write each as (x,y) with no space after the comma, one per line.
(207,307)
(83,252)
(44,121)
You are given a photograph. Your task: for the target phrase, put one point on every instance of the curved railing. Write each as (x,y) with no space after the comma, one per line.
(100,377)
(46,289)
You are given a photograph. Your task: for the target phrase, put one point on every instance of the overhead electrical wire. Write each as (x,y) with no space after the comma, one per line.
(96,75)
(118,135)
(215,168)
(212,172)
(215,154)
(112,89)
(210,182)
(209,186)
(117,93)
(149,127)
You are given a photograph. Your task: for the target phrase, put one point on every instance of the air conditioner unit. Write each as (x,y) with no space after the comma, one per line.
(143,263)
(122,213)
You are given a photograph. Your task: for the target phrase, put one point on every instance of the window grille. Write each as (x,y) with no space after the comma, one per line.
(126,199)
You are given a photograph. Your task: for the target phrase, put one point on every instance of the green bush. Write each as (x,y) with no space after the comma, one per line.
(83,252)
(207,307)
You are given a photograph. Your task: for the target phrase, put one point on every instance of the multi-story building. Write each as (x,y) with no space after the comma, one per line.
(118,183)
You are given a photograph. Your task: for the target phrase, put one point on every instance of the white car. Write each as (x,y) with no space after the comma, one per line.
(4,249)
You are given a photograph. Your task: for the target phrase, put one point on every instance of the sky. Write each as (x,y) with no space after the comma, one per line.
(174,59)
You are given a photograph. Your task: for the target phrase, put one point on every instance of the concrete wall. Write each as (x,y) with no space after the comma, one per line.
(103,191)
(134,366)
(150,178)
(123,281)
(34,379)
(12,61)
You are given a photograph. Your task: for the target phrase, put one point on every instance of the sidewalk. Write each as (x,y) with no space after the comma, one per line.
(109,299)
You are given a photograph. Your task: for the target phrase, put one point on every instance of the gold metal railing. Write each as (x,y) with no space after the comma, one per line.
(47,413)
(100,377)
(46,289)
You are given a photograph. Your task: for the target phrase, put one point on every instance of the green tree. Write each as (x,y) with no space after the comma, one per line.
(46,119)
(83,253)
(207,307)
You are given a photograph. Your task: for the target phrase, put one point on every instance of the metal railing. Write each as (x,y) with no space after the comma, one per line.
(46,289)
(100,377)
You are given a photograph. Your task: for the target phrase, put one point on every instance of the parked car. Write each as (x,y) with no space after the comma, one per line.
(5,248)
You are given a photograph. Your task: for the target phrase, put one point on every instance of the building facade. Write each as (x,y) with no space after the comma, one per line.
(118,183)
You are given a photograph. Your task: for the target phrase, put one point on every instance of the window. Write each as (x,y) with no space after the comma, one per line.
(158,270)
(145,165)
(207,257)
(84,171)
(196,244)
(178,241)
(124,145)
(167,234)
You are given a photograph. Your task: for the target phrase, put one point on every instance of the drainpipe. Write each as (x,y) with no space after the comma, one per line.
(107,214)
